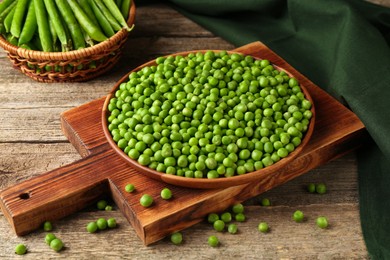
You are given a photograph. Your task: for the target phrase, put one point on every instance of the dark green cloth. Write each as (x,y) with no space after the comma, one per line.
(342,46)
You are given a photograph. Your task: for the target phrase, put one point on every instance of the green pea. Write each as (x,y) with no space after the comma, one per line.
(129,188)
(321,188)
(101,204)
(111,223)
(263,227)
(298,216)
(146,200)
(212,217)
(20,249)
(213,241)
(177,238)
(322,222)
(49,237)
(47,226)
(92,227)
(166,194)
(232,228)
(101,223)
(56,244)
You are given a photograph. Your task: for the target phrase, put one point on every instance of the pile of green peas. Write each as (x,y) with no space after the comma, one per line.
(208,115)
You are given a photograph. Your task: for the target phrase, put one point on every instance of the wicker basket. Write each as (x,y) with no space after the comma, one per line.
(78,65)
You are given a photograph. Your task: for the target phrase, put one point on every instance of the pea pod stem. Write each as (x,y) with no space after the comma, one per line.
(115,11)
(17,20)
(106,12)
(92,30)
(70,20)
(104,24)
(57,26)
(43,26)
(30,25)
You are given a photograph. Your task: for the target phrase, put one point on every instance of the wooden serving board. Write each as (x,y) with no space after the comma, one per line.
(101,172)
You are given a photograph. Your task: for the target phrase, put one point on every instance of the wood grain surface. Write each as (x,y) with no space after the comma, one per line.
(31,142)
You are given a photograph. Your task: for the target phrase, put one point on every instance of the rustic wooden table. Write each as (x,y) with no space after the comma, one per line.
(31,142)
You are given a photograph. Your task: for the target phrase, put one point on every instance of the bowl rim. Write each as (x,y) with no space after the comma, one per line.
(205,183)
(74,54)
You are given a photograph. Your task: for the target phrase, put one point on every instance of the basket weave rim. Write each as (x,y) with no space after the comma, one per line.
(75,54)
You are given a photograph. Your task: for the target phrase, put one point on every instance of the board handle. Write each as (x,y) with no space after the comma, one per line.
(57,193)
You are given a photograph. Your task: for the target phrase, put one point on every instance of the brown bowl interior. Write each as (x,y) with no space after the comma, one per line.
(205,183)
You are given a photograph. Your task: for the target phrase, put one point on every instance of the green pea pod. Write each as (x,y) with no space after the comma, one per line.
(114,23)
(104,24)
(57,25)
(88,10)
(2,29)
(8,20)
(110,4)
(69,45)
(92,30)
(17,20)
(37,42)
(4,5)
(70,20)
(43,26)
(53,32)
(6,11)
(125,9)
(30,25)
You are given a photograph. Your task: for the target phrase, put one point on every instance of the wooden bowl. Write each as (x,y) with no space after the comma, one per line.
(204,183)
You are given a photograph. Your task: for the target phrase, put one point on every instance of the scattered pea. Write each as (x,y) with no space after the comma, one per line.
(101,204)
(321,188)
(108,208)
(263,227)
(146,200)
(177,238)
(101,223)
(226,217)
(212,217)
(20,249)
(166,194)
(311,187)
(238,208)
(232,228)
(298,216)
(219,225)
(265,202)
(111,222)
(49,237)
(322,222)
(56,244)
(47,226)
(213,241)
(92,227)
(129,188)
(240,217)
